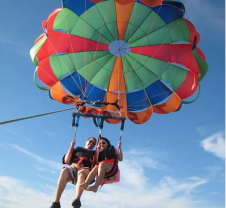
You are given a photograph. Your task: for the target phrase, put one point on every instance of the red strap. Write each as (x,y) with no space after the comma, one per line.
(96,155)
(80,161)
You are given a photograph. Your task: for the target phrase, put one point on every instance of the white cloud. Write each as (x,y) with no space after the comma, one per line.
(135,189)
(45,169)
(169,193)
(144,157)
(215,144)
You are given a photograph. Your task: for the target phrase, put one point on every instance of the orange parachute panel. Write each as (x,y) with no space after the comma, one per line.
(171,105)
(123,13)
(58,93)
(117,81)
(152,3)
(140,117)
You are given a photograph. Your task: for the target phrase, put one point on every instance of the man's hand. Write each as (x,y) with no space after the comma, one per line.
(119,144)
(73,143)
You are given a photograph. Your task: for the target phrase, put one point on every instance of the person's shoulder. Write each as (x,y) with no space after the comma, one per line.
(78,148)
(91,150)
(112,147)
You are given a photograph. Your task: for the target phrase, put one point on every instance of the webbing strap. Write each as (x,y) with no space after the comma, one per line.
(96,155)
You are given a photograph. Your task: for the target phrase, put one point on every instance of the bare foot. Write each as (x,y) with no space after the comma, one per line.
(92,188)
(84,186)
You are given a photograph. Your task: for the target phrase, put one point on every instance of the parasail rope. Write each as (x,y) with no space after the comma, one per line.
(38,115)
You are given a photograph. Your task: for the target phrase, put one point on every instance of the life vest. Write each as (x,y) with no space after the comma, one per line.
(81,155)
(108,153)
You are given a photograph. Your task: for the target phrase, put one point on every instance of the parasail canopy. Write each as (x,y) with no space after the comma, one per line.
(119,57)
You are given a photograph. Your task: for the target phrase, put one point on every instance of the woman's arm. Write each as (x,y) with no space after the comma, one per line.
(120,155)
(69,152)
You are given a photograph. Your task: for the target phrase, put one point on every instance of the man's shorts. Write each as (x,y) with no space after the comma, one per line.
(73,172)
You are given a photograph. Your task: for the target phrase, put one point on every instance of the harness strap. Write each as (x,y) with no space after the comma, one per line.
(96,155)
(80,160)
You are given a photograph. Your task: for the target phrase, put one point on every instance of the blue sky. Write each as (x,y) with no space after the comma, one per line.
(172,161)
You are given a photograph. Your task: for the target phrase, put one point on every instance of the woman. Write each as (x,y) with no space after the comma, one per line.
(79,162)
(105,165)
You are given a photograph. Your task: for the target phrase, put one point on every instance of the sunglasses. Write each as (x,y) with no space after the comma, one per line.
(90,141)
(103,143)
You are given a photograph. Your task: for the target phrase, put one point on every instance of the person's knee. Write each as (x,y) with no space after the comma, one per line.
(103,165)
(65,174)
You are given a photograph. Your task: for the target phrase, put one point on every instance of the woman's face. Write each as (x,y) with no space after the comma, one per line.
(103,144)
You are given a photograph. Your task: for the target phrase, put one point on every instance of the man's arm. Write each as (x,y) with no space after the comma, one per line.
(67,157)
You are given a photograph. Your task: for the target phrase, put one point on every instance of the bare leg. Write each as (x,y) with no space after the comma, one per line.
(81,179)
(102,169)
(90,177)
(62,181)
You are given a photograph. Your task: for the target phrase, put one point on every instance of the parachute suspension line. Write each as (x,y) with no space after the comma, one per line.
(65,66)
(48,88)
(143,44)
(188,102)
(152,57)
(155,51)
(140,50)
(98,79)
(124,64)
(99,122)
(85,48)
(183,102)
(73,54)
(97,46)
(38,115)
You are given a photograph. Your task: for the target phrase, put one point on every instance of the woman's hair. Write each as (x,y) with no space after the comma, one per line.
(92,138)
(106,140)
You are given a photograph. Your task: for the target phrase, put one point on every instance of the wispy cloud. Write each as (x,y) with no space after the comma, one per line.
(210,14)
(39,168)
(49,134)
(202,130)
(215,144)
(48,179)
(15,134)
(39,159)
(19,46)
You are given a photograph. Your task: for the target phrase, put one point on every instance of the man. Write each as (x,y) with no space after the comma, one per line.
(79,162)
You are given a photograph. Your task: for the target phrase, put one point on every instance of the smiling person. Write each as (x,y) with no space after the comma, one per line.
(105,165)
(79,162)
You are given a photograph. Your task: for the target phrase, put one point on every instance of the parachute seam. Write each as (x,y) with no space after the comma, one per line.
(97,45)
(64,64)
(105,22)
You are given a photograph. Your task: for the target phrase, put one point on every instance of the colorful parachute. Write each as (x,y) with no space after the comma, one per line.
(119,57)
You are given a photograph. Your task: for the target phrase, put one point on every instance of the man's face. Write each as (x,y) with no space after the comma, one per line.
(90,143)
